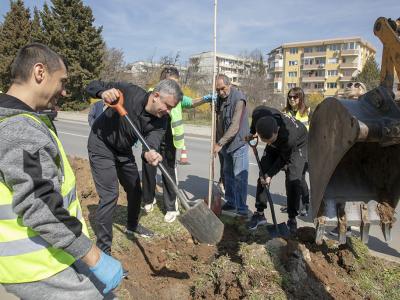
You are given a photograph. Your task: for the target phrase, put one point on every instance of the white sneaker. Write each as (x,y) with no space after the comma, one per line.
(170,216)
(149,207)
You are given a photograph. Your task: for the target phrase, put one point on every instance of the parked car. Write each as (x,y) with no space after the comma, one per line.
(51,112)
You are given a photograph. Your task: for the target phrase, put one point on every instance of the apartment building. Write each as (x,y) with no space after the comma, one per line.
(234,67)
(320,66)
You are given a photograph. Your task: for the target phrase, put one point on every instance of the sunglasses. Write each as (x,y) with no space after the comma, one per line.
(293,97)
(356,84)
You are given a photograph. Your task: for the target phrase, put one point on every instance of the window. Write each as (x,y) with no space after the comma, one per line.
(320,60)
(309,61)
(293,50)
(332,73)
(319,73)
(320,49)
(292,62)
(334,47)
(318,85)
(278,75)
(331,85)
(292,74)
(308,49)
(334,60)
(291,85)
(275,85)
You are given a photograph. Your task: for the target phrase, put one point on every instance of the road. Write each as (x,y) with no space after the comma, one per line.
(193,179)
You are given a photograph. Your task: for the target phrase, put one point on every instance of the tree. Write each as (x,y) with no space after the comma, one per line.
(370,74)
(15,33)
(314,99)
(68,29)
(114,65)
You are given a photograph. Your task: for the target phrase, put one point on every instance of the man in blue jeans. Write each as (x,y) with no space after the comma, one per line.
(233,126)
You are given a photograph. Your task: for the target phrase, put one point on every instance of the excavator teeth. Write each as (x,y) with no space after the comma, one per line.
(386,230)
(365,223)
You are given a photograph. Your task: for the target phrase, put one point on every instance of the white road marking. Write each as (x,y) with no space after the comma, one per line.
(74,134)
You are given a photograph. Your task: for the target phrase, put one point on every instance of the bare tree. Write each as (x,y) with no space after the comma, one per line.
(114,65)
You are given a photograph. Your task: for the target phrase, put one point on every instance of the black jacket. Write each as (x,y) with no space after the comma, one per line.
(292,136)
(114,131)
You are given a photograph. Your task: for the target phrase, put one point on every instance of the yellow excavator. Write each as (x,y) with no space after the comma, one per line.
(354,152)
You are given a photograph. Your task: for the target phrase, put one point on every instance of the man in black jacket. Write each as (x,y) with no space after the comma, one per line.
(110,148)
(286,140)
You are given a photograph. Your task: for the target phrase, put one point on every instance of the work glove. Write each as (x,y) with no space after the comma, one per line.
(109,271)
(209,98)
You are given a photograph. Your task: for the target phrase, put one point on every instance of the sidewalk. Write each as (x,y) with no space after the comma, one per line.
(190,130)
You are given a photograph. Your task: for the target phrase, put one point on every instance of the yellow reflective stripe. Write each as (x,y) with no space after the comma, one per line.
(176,124)
(50,261)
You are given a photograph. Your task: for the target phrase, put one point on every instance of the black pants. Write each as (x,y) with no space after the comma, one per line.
(293,181)
(149,172)
(107,170)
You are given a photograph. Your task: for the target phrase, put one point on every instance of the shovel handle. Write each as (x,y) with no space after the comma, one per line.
(118,105)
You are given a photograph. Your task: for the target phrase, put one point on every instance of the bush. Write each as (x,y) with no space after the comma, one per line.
(74,105)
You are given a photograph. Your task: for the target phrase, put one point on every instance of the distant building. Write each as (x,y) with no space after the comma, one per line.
(234,67)
(323,66)
(141,67)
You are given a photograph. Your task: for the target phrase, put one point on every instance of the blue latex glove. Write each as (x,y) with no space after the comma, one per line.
(109,271)
(209,98)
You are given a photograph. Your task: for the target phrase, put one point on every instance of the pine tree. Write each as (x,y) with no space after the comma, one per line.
(68,29)
(370,74)
(15,32)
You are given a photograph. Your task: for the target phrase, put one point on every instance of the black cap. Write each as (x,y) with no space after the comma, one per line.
(266,127)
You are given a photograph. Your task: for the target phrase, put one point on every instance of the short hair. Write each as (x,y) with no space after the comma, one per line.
(31,54)
(266,127)
(224,78)
(169,72)
(169,87)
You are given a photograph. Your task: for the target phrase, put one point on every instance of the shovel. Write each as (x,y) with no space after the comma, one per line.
(199,220)
(275,230)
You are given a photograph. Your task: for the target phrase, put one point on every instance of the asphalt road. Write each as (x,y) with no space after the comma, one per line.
(193,179)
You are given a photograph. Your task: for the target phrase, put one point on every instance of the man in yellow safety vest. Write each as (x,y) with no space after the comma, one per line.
(42,231)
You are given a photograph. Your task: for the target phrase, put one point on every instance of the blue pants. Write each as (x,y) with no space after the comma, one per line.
(236,173)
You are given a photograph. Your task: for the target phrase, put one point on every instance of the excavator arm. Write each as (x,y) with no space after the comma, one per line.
(354,153)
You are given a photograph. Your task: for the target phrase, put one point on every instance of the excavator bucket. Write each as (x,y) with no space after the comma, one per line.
(354,163)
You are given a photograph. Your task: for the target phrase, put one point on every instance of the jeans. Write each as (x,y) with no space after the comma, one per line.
(236,173)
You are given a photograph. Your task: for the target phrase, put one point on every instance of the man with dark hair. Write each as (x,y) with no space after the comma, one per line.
(173,139)
(110,149)
(233,126)
(286,140)
(42,229)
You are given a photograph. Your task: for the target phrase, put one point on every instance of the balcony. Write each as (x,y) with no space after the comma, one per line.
(349,52)
(277,91)
(312,91)
(345,78)
(313,79)
(275,69)
(315,54)
(313,66)
(348,65)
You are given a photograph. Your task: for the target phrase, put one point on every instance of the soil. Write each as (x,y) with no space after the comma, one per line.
(243,265)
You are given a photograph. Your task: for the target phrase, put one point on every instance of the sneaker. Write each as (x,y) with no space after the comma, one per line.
(335,232)
(304,210)
(221,188)
(141,231)
(148,208)
(170,216)
(292,224)
(256,220)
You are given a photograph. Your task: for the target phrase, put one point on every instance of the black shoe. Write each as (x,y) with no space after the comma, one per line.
(141,231)
(228,207)
(292,224)
(256,220)
(284,209)
(304,210)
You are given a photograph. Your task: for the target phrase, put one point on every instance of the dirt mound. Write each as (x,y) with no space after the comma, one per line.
(244,265)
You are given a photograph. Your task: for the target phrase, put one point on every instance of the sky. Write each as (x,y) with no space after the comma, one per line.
(148,30)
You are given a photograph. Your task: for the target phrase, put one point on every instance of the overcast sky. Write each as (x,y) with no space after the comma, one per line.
(146,29)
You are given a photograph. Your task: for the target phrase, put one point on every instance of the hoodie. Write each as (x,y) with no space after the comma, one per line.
(30,165)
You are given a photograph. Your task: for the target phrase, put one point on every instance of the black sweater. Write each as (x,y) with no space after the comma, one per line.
(114,131)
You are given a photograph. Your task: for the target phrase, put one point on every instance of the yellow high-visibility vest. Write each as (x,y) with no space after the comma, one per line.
(24,255)
(178,131)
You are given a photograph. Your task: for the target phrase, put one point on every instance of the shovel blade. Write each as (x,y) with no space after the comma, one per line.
(280,230)
(203,224)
